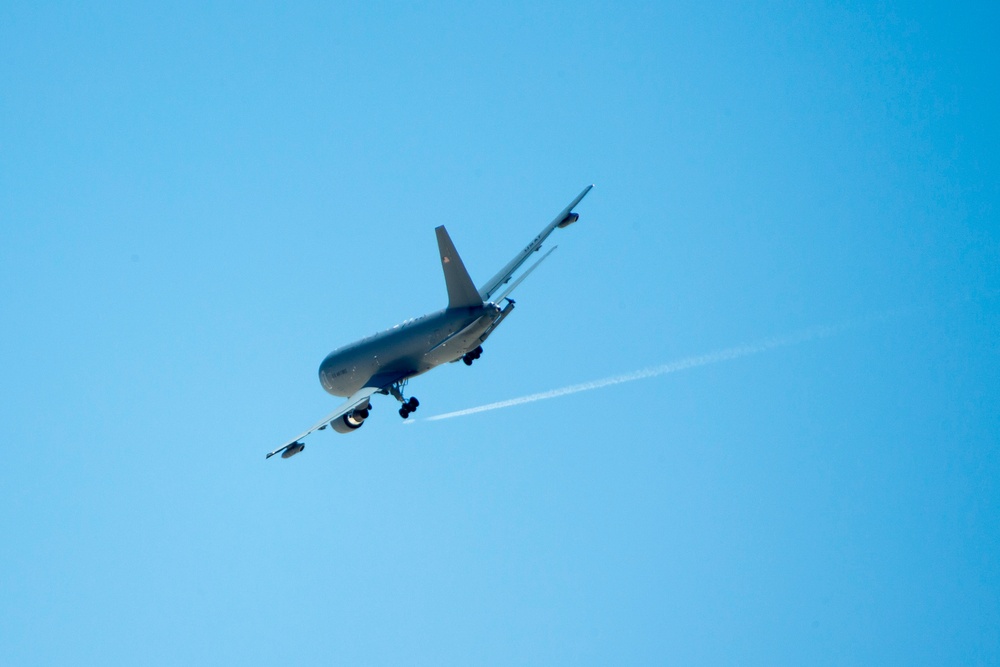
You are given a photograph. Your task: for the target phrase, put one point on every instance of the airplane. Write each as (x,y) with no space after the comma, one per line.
(385,362)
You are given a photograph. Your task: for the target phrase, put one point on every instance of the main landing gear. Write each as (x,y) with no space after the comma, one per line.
(473,355)
(409,405)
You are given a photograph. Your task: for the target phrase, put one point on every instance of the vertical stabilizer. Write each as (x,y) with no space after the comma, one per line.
(462,293)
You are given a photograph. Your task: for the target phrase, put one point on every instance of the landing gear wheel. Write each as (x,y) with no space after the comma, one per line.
(472,355)
(409,405)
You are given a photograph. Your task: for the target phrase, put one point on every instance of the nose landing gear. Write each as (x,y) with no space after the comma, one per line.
(409,405)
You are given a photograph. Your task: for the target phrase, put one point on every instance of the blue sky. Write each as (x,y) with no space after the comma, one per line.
(197,203)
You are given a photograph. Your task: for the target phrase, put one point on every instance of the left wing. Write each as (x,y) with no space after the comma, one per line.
(376,384)
(293,446)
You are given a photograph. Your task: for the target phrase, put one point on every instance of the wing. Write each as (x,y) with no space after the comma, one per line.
(358,398)
(565,218)
(524,275)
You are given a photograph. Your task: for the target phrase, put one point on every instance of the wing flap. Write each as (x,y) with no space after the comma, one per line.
(457,335)
(524,275)
(504,275)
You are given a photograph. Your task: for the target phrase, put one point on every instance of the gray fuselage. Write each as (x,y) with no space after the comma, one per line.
(410,348)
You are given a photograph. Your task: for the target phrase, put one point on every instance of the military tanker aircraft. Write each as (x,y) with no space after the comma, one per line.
(385,362)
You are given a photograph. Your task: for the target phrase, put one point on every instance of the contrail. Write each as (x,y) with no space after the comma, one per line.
(727,354)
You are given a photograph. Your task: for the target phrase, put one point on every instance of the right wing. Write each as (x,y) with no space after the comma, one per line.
(566,217)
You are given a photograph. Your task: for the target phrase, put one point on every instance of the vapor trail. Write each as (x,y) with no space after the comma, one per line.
(718,356)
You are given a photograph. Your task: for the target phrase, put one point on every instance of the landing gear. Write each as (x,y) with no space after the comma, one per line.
(473,355)
(409,405)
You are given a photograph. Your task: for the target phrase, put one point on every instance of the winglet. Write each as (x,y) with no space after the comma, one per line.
(462,292)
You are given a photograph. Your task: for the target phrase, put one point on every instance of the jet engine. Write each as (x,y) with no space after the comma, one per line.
(292,450)
(568,220)
(351,421)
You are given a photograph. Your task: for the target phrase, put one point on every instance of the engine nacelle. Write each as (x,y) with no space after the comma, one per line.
(292,450)
(569,220)
(352,421)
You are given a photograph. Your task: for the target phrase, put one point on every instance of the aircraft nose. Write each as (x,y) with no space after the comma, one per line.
(328,372)
(324,380)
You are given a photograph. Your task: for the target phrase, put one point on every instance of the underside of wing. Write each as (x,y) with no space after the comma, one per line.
(348,416)
(564,219)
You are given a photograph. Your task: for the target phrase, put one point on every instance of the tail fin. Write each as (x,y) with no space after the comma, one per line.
(462,292)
